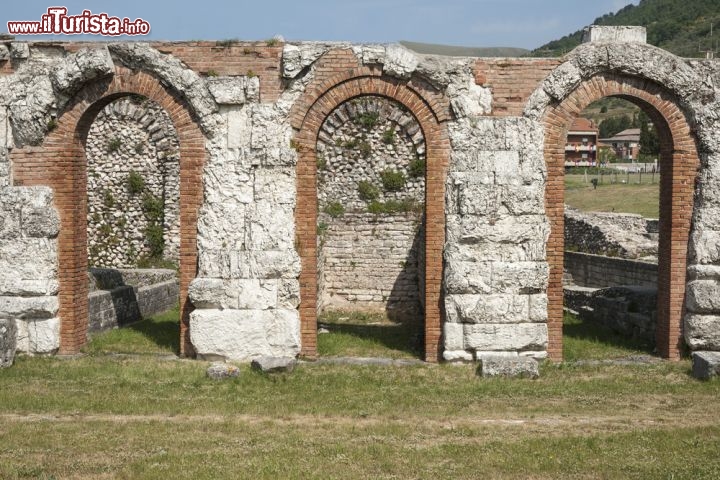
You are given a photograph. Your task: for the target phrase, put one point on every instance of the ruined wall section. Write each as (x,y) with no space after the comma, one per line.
(133,185)
(495,272)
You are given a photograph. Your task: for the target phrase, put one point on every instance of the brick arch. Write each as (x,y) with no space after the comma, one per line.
(307,121)
(679,162)
(60,163)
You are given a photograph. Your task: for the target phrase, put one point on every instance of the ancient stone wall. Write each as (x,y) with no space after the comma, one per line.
(249,173)
(133,185)
(589,270)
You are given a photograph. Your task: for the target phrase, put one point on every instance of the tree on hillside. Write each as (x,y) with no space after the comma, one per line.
(614,125)
(649,140)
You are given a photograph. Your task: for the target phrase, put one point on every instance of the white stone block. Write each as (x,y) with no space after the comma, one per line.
(506,337)
(399,61)
(243,335)
(614,34)
(489,309)
(703,296)
(28,307)
(453,336)
(227,90)
(239,128)
(457,356)
(702,332)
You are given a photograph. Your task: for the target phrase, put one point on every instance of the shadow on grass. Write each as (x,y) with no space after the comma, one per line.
(165,333)
(371,340)
(585,339)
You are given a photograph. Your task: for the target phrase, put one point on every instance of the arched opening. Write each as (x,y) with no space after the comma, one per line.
(678,162)
(371,196)
(308,120)
(133,216)
(61,164)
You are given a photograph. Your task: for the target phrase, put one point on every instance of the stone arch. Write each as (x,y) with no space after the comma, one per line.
(679,163)
(307,119)
(60,163)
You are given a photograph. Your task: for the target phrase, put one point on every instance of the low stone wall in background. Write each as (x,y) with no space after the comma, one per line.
(121,297)
(630,311)
(598,271)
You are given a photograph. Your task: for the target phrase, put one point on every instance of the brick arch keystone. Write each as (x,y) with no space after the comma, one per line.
(679,162)
(307,119)
(60,163)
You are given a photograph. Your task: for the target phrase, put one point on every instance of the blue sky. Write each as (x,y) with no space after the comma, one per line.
(478,23)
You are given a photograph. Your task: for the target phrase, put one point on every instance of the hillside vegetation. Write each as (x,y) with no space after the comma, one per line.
(679,26)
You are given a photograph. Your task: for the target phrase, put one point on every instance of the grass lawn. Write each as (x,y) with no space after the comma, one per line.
(359,334)
(643,199)
(143,417)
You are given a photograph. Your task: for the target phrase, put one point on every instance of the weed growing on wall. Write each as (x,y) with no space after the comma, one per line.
(368,191)
(393,181)
(334,209)
(135,183)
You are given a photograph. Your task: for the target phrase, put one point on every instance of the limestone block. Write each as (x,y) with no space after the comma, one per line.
(467,99)
(506,337)
(269,128)
(4,52)
(468,277)
(212,293)
(703,296)
(399,61)
(81,66)
(239,128)
(499,366)
(29,118)
(222,226)
(19,50)
(488,309)
(38,336)
(221,371)
(243,335)
(453,336)
(538,308)
(28,307)
(228,183)
(704,272)
(702,332)
(518,277)
(704,246)
(274,364)
(252,89)
(227,90)
(296,57)
(482,199)
(705,365)
(614,34)
(562,80)
(276,185)
(8,342)
(249,264)
(271,226)
(457,356)
(209,293)
(288,293)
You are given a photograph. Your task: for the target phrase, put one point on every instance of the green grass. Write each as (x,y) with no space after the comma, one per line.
(643,199)
(583,340)
(159,334)
(140,417)
(359,334)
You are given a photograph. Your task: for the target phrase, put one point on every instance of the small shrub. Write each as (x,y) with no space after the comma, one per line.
(334,209)
(322,228)
(294,144)
(121,222)
(388,137)
(114,145)
(417,168)
(394,206)
(95,217)
(250,74)
(351,143)
(135,182)
(139,148)
(155,240)
(153,207)
(212,73)
(321,163)
(105,229)
(392,181)
(52,124)
(108,199)
(368,120)
(137,99)
(367,191)
(272,42)
(365,149)
(226,43)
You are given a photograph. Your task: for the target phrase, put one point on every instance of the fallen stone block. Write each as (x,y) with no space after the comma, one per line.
(705,365)
(8,340)
(274,364)
(221,371)
(508,367)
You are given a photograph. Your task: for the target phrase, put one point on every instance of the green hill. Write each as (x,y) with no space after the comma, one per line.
(679,26)
(452,51)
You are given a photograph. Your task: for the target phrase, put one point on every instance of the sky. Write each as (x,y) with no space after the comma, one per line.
(474,23)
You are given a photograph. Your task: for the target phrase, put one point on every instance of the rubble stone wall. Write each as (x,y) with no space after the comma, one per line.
(599,271)
(132,140)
